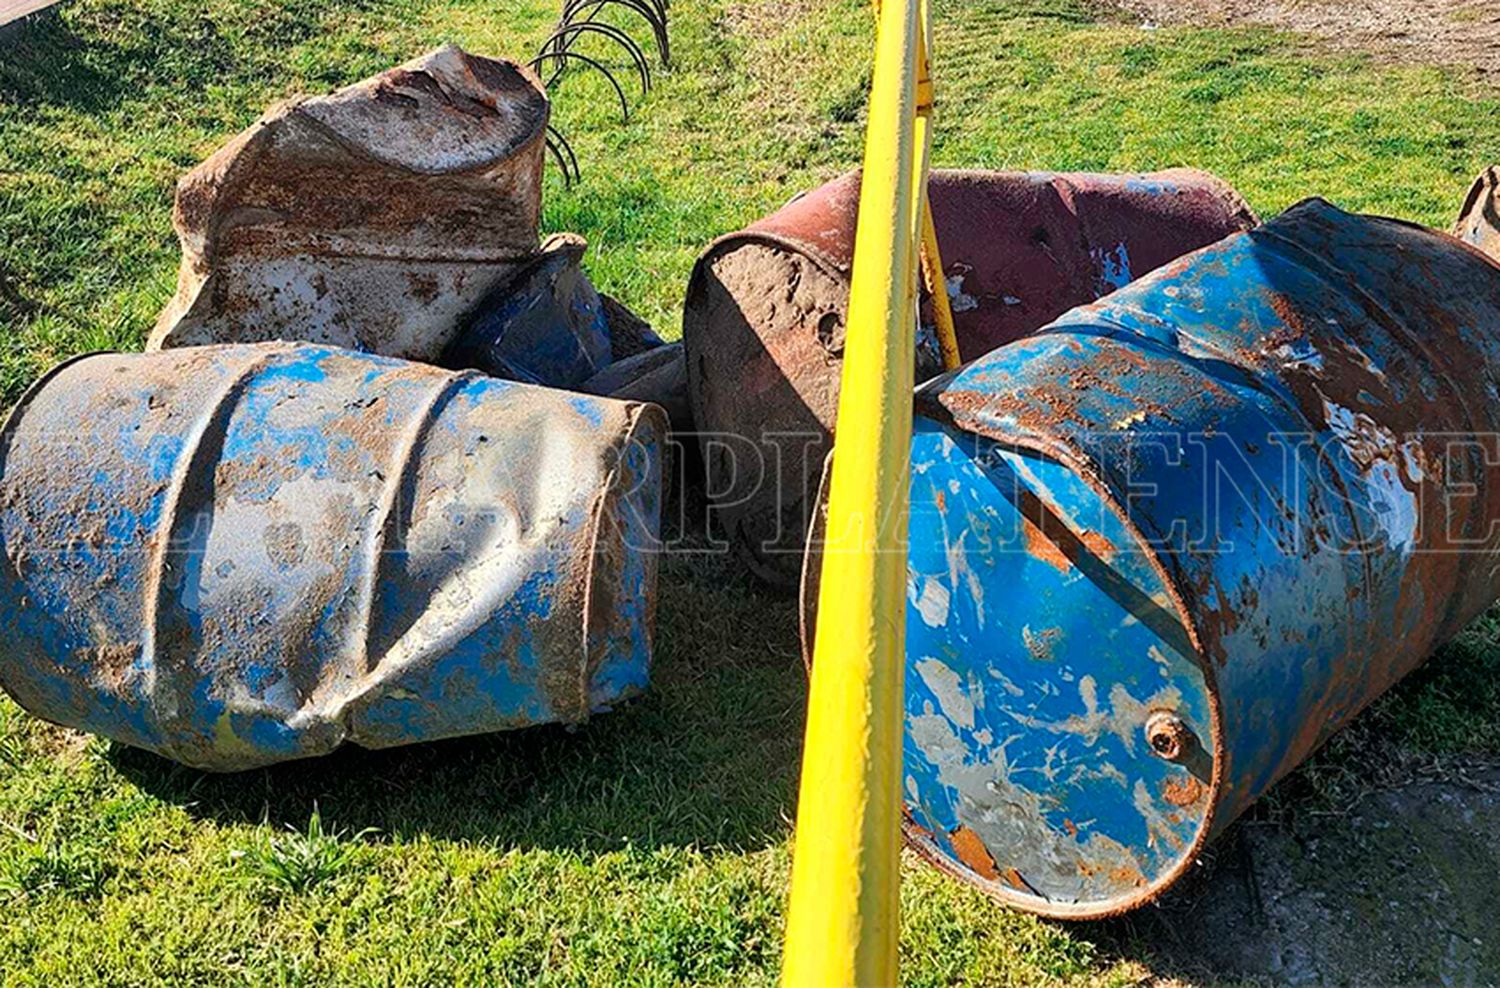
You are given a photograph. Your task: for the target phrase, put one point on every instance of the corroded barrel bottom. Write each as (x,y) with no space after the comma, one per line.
(1058,748)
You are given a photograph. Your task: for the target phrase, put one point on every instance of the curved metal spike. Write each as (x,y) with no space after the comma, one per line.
(571,31)
(556,143)
(567,36)
(644,8)
(649,10)
(563,56)
(660,6)
(557,135)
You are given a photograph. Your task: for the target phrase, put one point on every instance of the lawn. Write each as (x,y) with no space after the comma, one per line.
(651,846)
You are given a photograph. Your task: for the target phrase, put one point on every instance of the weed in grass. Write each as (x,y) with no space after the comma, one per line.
(12,751)
(299,861)
(60,866)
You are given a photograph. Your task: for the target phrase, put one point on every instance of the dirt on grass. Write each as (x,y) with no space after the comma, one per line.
(1395,890)
(1449,32)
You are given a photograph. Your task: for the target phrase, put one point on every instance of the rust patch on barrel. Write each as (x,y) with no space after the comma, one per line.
(972,852)
(372,218)
(1184,791)
(763,322)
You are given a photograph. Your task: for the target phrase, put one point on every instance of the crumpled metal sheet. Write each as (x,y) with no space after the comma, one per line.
(1478,221)
(763,323)
(546,325)
(238,555)
(374,218)
(658,375)
(1163,548)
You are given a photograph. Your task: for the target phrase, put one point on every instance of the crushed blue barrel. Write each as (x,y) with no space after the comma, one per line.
(238,555)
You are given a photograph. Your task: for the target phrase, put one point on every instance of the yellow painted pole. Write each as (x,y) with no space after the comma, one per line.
(937,287)
(844,916)
(932,258)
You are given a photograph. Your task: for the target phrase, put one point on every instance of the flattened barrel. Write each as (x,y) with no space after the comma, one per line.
(1165,547)
(237,555)
(763,323)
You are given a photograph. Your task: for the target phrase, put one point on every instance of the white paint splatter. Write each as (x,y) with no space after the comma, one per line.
(1125,719)
(951,697)
(933,603)
(1376,450)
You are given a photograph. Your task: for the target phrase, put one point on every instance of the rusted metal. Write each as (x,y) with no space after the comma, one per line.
(1168,736)
(764,319)
(238,555)
(1163,548)
(1479,220)
(373,218)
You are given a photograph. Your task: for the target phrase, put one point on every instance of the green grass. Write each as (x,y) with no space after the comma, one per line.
(650,847)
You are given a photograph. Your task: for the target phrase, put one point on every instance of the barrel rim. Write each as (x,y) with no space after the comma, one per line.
(1087,470)
(7,430)
(13,417)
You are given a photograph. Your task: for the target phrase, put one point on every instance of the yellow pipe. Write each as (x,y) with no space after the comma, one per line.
(937,288)
(844,916)
(932,258)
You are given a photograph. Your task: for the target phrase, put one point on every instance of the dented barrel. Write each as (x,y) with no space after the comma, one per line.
(763,323)
(1162,549)
(376,217)
(238,555)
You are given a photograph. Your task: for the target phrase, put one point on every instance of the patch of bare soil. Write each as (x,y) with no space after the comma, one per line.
(1450,32)
(1399,889)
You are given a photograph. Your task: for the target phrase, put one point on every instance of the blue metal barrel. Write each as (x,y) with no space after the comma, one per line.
(1163,549)
(237,555)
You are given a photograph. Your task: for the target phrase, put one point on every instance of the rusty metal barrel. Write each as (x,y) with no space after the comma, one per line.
(238,555)
(1165,547)
(763,323)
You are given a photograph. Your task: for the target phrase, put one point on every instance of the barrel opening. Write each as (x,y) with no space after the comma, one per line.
(1059,748)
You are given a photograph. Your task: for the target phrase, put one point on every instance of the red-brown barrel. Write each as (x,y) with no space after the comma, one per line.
(764,319)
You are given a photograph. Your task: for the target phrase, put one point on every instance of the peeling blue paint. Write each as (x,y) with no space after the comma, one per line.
(255,553)
(1271,420)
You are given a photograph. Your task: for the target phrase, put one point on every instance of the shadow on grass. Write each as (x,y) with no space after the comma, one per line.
(708,758)
(93,58)
(45,63)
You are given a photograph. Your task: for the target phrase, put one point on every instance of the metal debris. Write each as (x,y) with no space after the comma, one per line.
(581,19)
(658,375)
(373,218)
(1479,220)
(544,326)
(238,555)
(764,317)
(1163,548)
(549,326)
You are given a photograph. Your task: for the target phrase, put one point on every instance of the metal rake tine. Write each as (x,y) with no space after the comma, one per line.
(661,9)
(571,31)
(567,35)
(647,9)
(651,11)
(556,141)
(561,58)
